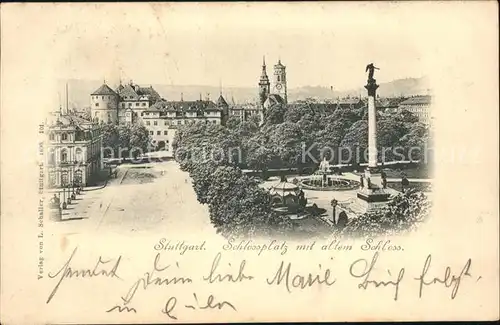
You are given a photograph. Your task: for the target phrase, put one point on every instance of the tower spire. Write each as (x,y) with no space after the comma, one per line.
(220,86)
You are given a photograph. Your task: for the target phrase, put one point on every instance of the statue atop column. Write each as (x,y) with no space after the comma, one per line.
(371,70)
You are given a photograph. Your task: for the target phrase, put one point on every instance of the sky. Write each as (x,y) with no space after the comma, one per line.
(326,44)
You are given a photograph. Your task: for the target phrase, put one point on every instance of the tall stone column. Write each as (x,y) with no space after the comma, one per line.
(373,190)
(372,124)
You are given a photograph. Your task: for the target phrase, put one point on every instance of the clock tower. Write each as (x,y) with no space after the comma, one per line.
(279,87)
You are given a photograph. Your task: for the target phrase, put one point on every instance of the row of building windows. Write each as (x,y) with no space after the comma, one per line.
(136,104)
(64,155)
(158,133)
(102,97)
(180,122)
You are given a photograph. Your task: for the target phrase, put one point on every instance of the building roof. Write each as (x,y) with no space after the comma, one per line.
(135,92)
(417,100)
(69,120)
(279,65)
(128,92)
(273,99)
(183,106)
(221,101)
(104,90)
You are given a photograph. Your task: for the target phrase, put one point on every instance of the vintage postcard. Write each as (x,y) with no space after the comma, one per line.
(221,162)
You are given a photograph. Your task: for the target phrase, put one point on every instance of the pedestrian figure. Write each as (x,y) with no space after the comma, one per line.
(362,181)
(342,221)
(368,183)
(384,179)
(404,183)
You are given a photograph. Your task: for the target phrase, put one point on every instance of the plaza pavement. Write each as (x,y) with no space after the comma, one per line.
(164,204)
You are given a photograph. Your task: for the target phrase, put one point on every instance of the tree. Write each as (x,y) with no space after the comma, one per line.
(259,153)
(139,139)
(416,141)
(355,142)
(110,139)
(286,139)
(405,213)
(293,114)
(274,114)
(202,175)
(254,119)
(233,122)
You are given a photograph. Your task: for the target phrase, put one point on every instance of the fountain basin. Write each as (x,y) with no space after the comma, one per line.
(332,184)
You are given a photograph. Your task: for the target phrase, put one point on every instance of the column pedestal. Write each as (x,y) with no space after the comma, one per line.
(373,190)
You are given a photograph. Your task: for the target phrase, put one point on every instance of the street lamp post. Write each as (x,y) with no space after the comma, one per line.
(63,185)
(334,205)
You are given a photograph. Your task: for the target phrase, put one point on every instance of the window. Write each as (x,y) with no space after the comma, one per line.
(102,97)
(158,132)
(151,133)
(51,136)
(52,156)
(129,104)
(143,104)
(166,123)
(78,154)
(64,155)
(109,115)
(165,132)
(136,104)
(155,122)
(174,122)
(64,178)
(95,114)
(148,123)
(64,136)
(96,104)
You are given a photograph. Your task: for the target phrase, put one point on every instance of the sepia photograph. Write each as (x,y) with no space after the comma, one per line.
(289,154)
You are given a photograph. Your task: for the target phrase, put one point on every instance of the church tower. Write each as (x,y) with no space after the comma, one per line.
(279,86)
(264,85)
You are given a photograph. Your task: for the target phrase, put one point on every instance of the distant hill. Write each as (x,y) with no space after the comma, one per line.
(80,90)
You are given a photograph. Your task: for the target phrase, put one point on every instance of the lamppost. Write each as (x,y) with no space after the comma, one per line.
(334,203)
(73,194)
(63,185)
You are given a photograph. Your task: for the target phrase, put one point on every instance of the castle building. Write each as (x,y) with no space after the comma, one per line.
(73,150)
(163,118)
(104,105)
(123,105)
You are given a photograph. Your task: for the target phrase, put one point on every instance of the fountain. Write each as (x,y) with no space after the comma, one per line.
(323,180)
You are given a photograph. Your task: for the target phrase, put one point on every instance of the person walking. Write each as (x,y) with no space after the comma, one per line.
(404,183)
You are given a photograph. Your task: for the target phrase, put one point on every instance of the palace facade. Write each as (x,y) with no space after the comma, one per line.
(73,150)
